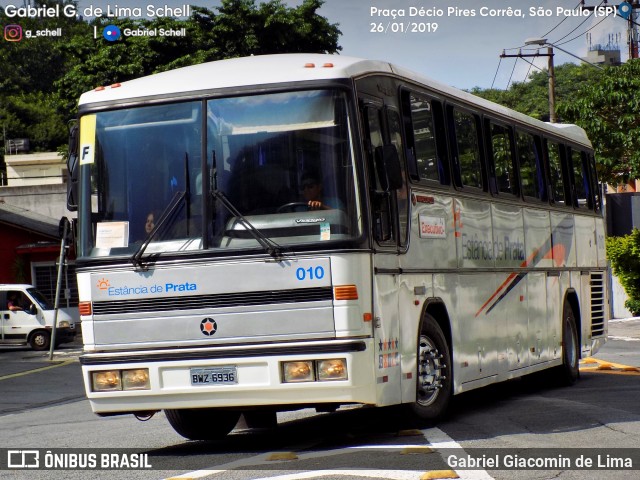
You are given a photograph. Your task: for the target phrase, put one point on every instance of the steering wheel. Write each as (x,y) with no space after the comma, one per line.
(292,206)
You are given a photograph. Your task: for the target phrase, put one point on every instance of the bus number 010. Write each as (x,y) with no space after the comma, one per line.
(311,273)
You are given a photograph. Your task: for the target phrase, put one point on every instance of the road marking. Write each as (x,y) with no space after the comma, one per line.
(440,440)
(596,365)
(435,437)
(36,370)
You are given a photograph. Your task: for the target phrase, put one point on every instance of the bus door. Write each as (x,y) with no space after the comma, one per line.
(389,224)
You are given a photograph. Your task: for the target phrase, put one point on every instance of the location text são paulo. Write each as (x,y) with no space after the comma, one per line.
(434,12)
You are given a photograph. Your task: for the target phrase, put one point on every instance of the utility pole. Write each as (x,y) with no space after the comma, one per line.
(552,77)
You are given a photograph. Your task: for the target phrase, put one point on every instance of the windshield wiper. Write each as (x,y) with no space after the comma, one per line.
(271,247)
(177,199)
(168,212)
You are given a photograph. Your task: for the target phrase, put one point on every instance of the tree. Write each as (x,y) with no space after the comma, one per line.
(42,78)
(609,110)
(532,97)
(624,255)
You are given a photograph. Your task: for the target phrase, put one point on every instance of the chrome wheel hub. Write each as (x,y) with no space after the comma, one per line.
(430,372)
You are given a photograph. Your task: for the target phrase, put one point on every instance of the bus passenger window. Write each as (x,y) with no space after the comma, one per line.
(531,173)
(466,137)
(424,138)
(580,180)
(503,160)
(555,173)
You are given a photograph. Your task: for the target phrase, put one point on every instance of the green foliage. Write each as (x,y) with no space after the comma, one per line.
(624,255)
(42,78)
(603,102)
(532,97)
(609,110)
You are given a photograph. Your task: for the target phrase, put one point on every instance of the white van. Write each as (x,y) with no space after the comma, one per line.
(26,316)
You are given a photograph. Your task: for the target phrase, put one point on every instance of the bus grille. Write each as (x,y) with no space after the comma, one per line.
(597,304)
(222,300)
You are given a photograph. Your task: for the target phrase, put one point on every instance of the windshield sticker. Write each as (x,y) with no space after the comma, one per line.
(112,235)
(325,231)
(87,139)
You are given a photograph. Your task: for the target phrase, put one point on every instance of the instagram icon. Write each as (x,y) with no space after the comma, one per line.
(13,33)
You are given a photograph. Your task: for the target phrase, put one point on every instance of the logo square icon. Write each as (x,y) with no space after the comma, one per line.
(13,33)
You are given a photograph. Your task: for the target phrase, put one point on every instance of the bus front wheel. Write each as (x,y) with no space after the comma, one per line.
(202,423)
(435,380)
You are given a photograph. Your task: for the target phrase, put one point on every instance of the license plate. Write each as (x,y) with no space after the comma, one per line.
(227,375)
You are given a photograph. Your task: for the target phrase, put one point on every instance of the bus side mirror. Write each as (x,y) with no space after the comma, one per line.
(72,168)
(388,167)
(32,309)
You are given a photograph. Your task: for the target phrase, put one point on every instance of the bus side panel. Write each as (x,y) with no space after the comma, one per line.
(537,229)
(386,334)
(542,339)
(563,240)
(474,330)
(431,244)
(508,304)
(586,242)
(600,243)
(474,233)
(414,289)
(555,295)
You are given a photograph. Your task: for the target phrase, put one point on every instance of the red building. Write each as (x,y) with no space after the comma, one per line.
(29,250)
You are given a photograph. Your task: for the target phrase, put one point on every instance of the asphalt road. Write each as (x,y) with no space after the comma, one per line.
(42,405)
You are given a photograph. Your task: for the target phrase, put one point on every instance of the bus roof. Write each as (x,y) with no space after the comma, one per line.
(286,68)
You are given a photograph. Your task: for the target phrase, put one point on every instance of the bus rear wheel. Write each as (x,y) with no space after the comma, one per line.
(435,380)
(569,371)
(202,423)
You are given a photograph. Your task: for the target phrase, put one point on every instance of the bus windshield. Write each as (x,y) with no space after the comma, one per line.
(206,175)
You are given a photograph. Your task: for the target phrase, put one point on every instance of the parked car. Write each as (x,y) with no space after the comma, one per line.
(26,317)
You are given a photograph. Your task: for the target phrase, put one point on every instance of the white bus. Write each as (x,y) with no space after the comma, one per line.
(281,232)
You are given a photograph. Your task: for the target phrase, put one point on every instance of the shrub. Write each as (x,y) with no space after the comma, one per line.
(624,255)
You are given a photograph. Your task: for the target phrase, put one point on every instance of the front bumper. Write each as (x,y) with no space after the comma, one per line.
(258,370)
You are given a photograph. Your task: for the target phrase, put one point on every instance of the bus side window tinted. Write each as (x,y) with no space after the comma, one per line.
(422,126)
(530,161)
(556,182)
(468,151)
(581,188)
(503,159)
(395,136)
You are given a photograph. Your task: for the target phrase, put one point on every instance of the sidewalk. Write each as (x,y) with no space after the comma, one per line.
(625,329)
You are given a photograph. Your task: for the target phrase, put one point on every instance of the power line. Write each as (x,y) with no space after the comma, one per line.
(579,25)
(560,23)
(497,69)
(514,69)
(586,31)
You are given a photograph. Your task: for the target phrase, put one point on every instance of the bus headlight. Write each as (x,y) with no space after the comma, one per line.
(106,381)
(63,324)
(334,369)
(136,379)
(298,371)
(113,380)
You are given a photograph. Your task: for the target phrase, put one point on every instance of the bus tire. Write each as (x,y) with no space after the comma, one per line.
(202,423)
(40,340)
(569,371)
(435,378)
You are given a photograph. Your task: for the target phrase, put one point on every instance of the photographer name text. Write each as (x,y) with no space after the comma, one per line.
(109,11)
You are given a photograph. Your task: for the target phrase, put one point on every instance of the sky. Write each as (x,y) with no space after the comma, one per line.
(456,42)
